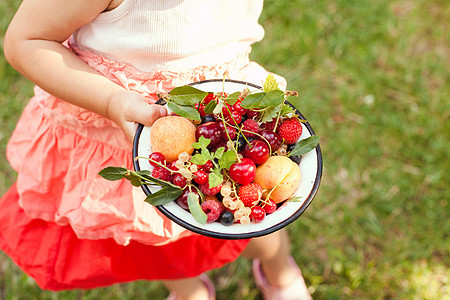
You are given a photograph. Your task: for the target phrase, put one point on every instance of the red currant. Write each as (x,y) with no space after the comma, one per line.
(200,177)
(179,180)
(209,98)
(257,214)
(234,119)
(239,109)
(270,206)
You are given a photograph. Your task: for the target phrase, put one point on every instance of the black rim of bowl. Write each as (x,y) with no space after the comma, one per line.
(237,236)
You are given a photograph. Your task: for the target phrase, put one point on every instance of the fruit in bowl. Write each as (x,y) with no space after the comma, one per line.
(228,158)
(172,135)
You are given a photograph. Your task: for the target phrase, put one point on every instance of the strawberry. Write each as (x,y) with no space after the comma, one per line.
(290,130)
(250,194)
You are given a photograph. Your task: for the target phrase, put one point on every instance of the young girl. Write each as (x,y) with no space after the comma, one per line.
(98,65)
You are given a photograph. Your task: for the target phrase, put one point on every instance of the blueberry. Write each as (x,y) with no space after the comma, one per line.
(290,147)
(240,142)
(297,159)
(208,118)
(226,218)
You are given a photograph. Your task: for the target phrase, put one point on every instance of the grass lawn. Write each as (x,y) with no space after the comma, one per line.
(373,78)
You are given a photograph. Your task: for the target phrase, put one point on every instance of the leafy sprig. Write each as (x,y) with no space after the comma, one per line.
(221,159)
(166,194)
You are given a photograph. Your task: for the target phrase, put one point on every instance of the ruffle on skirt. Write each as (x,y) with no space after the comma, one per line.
(58,260)
(58,149)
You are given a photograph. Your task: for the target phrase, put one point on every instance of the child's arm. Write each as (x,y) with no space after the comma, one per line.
(33,47)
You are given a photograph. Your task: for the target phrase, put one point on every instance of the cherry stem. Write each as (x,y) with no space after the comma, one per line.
(158,163)
(226,131)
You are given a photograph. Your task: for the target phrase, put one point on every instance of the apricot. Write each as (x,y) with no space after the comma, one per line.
(172,135)
(281,174)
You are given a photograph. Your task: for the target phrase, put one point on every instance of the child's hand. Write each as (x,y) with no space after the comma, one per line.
(127,108)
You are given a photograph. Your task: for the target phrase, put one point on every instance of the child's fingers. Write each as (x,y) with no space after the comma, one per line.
(148,115)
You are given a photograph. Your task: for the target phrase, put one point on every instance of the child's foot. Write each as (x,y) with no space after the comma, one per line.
(296,290)
(208,284)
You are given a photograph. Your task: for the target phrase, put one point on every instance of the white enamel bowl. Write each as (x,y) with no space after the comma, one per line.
(310,167)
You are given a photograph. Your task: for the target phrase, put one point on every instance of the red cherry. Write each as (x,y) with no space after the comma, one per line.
(231,132)
(156,157)
(273,138)
(251,114)
(256,150)
(270,206)
(209,130)
(200,177)
(208,166)
(257,214)
(243,172)
(182,199)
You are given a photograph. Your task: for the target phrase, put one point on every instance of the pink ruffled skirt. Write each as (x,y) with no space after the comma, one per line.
(63,209)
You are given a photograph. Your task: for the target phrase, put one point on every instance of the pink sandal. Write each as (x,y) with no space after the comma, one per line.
(297,290)
(206,281)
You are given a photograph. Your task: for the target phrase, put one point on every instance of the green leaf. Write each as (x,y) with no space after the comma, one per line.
(188,112)
(305,145)
(164,196)
(272,98)
(233,98)
(146,176)
(218,108)
(219,152)
(186,95)
(270,113)
(198,159)
(195,208)
(209,108)
(134,179)
(227,159)
(286,110)
(253,100)
(215,178)
(202,143)
(295,199)
(270,84)
(113,173)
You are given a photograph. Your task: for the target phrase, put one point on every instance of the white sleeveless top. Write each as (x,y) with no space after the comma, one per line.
(173,35)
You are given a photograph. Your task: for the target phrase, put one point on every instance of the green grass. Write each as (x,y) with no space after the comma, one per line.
(374,83)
